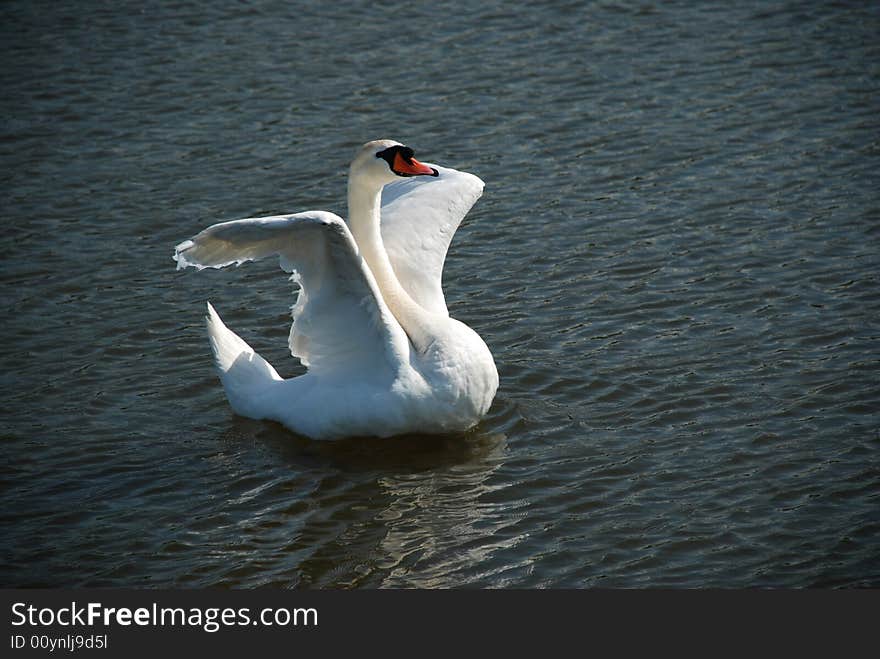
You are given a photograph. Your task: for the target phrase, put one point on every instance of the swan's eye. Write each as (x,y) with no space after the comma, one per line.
(401,161)
(391,152)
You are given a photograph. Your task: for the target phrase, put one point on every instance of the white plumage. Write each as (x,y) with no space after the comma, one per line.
(383,356)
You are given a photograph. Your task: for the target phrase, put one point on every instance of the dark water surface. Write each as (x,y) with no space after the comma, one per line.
(675,263)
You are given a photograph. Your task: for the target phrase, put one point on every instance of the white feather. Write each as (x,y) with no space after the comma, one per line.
(419,217)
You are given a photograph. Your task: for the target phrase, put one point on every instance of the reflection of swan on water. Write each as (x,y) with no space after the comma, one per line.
(398,513)
(446,528)
(370,323)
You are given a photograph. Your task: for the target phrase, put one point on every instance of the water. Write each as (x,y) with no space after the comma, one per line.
(675,263)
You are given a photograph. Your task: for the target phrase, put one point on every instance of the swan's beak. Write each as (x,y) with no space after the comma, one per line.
(411,167)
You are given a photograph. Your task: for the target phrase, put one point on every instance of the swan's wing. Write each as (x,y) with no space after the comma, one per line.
(341,324)
(419,217)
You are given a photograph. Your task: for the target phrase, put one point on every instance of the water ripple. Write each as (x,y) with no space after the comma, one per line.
(673,263)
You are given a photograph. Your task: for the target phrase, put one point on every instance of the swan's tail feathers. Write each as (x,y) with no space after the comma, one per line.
(245,375)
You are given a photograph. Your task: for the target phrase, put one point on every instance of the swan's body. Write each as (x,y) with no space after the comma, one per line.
(383,356)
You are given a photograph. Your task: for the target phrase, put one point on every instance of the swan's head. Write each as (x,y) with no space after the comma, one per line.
(384,161)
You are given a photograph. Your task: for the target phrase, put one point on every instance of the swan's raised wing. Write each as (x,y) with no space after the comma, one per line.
(341,324)
(419,217)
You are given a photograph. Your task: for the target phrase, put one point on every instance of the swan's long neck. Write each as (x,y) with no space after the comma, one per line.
(364,204)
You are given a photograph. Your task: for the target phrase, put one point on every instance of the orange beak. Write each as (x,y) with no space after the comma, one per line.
(411,167)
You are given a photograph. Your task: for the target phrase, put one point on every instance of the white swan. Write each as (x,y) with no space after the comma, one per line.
(383,356)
